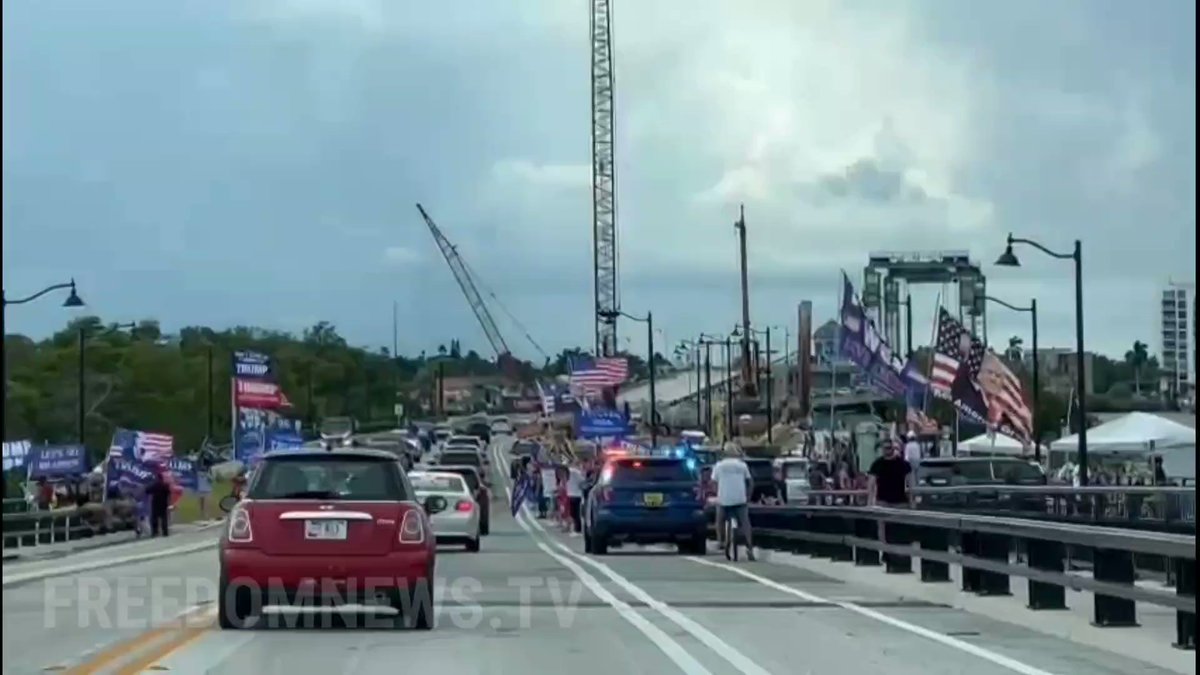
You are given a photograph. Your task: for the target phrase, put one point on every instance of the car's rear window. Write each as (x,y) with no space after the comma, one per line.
(945,472)
(1018,472)
(463,440)
(761,469)
(652,471)
(468,458)
(471,477)
(794,470)
(429,483)
(329,478)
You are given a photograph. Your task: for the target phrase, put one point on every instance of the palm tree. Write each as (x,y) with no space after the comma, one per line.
(1015,350)
(1137,358)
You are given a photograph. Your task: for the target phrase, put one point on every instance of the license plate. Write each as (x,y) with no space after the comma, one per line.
(652,499)
(324,529)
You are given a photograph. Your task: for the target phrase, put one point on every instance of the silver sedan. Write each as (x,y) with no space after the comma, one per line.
(451,506)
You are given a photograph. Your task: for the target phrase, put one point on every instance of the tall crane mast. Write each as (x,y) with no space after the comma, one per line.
(604,182)
(463,277)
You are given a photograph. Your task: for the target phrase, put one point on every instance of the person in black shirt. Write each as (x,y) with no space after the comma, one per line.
(160,501)
(890,479)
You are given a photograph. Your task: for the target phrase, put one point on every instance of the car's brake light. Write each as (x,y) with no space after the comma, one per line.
(464,506)
(412,528)
(637,465)
(240,531)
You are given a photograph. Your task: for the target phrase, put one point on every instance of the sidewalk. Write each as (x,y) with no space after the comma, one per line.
(28,554)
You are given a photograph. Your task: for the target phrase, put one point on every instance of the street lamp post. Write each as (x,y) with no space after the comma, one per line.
(708,341)
(72,300)
(1032,310)
(1009,259)
(769,385)
(729,388)
(649,321)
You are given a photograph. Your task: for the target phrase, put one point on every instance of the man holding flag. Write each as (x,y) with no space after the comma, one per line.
(522,491)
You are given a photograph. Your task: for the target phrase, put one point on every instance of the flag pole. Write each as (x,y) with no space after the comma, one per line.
(937,305)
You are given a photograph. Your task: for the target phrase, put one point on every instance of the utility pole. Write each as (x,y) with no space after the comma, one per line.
(770,386)
(209,395)
(748,380)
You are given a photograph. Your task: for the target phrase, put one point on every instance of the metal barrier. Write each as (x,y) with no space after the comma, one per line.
(1143,507)
(982,547)
(39,528)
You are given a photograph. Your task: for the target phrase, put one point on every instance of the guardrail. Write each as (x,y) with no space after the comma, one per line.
(1143,507)
(38,528)
(983,547)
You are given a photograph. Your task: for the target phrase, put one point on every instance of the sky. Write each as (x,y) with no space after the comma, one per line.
(258,162)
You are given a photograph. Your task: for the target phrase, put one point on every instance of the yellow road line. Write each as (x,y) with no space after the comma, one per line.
(177,642)
(121,650)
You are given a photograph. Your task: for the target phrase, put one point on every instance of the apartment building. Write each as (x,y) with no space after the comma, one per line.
(1177,337)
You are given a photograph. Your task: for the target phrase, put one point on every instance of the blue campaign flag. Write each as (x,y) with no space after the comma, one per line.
(253,365)
(185,473)
(128,473)
(601,423)
(862,344)
(521,492)
(284,439)
(57,461)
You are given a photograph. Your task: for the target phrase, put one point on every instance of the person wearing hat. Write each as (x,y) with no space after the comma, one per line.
(734,486)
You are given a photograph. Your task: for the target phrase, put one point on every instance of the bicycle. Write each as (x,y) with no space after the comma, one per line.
(731,535)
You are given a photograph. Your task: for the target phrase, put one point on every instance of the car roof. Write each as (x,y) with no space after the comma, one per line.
(434,474)
(445,468)
(347,453)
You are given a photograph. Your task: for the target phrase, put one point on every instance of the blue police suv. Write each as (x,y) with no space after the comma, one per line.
(646,500)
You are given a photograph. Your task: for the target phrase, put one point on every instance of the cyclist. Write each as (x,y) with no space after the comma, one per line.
(734,486)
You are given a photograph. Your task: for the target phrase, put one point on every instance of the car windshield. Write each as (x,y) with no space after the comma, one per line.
(434,483)
(1018,472)
(795,470)
(949,471)
(761,469)
(329,478)
(468,458)
(469,475)
(652,471)
(336,426)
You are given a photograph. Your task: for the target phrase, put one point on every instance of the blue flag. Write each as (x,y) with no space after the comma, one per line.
(521,492)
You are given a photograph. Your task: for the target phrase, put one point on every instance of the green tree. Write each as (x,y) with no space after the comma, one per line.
(1137,358)
(147,380)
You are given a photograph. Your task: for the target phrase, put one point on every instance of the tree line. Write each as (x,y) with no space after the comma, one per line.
(138,377)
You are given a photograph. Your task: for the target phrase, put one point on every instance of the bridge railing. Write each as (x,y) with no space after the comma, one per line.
(983,547)
(1143,507)
(39,528)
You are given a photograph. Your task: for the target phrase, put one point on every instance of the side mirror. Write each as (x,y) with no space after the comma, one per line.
(435,504)
(227,503)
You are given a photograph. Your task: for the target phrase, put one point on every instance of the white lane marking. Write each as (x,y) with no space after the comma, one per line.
(21,577)
(954,643)
(674,651)
(723,649)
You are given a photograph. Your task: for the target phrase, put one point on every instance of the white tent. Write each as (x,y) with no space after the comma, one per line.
(992,445)
(1134,433)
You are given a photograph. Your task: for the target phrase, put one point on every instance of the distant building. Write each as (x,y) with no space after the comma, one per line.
(1056,370)
(1177,338)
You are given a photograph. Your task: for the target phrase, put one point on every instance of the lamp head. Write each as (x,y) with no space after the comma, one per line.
(1008,258)
(73,300)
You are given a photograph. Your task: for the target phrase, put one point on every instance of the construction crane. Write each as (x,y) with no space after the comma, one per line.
(466,282)
(604,182)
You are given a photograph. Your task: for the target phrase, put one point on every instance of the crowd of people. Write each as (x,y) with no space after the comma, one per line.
(559,486)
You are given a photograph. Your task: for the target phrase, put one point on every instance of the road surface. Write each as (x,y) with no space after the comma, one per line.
(532,602)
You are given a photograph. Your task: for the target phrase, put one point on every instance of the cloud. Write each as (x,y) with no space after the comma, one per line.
(542,175)
(401,255)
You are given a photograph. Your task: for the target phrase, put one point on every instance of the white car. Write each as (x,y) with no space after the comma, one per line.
(794,471)
(456,521)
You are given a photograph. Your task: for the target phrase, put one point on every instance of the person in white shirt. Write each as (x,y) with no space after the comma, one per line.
(575,497)
(549,489)
(734,486)
(912,451)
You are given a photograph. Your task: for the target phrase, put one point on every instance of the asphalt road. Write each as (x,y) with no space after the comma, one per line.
(532,602)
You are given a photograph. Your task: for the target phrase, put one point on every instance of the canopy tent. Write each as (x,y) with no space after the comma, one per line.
(1134,433)
(999,444)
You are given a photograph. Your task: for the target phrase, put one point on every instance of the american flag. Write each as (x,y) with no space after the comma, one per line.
(1000,390)
(596,374)
(142,445)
